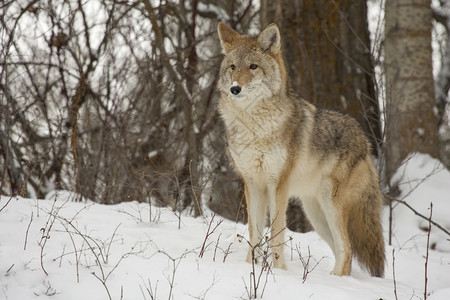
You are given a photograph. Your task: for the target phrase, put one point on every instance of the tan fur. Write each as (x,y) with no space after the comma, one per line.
(285,147)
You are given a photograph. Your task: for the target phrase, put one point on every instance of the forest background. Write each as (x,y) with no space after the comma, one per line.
(116,100)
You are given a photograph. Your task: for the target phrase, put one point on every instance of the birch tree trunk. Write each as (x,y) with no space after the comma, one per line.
(442,84)
(411,121)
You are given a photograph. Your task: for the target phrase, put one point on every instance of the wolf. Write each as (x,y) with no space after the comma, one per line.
(284,147)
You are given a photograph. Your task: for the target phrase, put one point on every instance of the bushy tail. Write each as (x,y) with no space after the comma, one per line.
(365,230)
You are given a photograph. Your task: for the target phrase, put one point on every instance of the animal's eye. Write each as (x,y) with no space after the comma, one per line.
(233,67)
(253,66)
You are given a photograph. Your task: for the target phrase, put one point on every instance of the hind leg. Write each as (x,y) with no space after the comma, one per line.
(337,220)
(330,223)
(336,208)
(318,221)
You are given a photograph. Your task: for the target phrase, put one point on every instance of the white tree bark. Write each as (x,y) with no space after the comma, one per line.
(411,121)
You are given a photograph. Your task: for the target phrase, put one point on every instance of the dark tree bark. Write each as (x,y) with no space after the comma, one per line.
(326,45)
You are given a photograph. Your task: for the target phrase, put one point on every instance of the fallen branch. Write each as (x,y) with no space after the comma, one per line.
(417,213)
(7,202)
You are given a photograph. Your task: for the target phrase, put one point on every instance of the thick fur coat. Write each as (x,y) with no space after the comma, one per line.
(285,147)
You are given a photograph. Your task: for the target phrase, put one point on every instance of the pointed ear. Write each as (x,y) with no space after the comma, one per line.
(269,39)
(227,36)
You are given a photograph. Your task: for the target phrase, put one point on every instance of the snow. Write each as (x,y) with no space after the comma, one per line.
(423,180)
(136,251)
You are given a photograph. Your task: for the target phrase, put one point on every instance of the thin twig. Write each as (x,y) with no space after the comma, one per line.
(393,274)
(209,232)
(428,248)
(197,203)
(417,213)
(226,252)
(10,268)
(46,230)
(7,202)
(217,245)
(266,266)
(104,284)
(77,261)
(26,233)
(109,246)
(306,263)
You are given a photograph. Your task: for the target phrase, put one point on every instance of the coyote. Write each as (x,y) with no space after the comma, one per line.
(286,147)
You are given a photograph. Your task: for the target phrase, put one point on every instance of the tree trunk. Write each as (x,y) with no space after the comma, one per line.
(326,46)
(442,84)
(411,123)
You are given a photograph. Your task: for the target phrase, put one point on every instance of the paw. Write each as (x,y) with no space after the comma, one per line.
(336,273)
(340,272)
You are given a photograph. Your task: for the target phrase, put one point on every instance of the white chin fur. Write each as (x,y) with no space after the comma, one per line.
(238,97)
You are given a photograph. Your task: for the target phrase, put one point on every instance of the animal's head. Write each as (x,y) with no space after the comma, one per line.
(252,67)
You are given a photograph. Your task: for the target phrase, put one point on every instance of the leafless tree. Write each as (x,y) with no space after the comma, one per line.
(113,99)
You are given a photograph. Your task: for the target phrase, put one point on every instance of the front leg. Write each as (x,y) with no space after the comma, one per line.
(256,209)
(277,208)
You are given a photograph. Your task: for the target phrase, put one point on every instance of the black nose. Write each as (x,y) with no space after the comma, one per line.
(235,90)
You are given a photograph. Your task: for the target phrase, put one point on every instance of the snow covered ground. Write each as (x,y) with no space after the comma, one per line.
(60,249)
